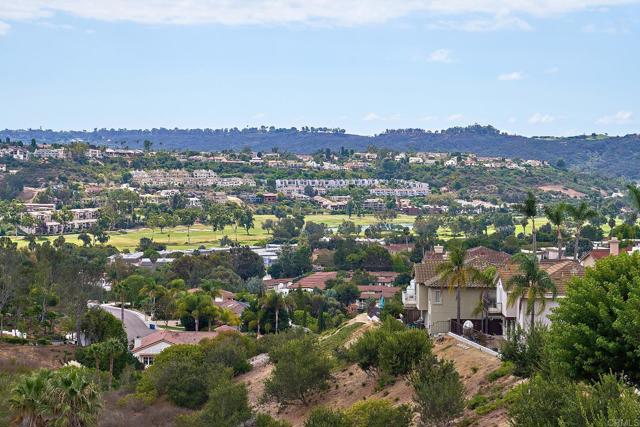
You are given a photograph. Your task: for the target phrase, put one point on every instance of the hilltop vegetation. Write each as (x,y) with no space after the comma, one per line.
(587,152)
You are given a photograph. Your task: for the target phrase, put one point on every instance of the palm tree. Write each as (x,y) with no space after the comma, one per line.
(580,214)
(456,274)
(28,399)
(529,210)
(113,348)
(531,283)
(73,399)
(487,279)
(195,305)
(121,288)
(152,290)
(556,215)
(276,302)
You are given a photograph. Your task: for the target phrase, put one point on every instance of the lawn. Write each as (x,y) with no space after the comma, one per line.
(177,238)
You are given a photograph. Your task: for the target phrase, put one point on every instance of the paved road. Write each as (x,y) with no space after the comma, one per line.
(133,325)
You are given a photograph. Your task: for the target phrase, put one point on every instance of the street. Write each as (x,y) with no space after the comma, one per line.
(133,325)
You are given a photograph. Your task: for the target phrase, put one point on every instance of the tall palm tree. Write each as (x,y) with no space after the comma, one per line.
(487,279)
(529,210)
(580,214)
(456,274)
(556,215)
(113,348)
(531,283)
(121,288)
(276,302)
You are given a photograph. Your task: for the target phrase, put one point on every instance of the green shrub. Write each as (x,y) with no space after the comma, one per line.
(477,400)
(505,369)
(14,340)
(526,350)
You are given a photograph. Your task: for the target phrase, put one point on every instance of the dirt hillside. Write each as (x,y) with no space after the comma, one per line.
(350,384)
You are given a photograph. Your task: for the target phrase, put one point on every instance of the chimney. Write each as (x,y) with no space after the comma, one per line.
(137,342)
(614,246)
(438,249)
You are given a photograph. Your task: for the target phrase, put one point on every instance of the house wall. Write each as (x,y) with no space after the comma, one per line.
(447,309)
(152,350)
(524,318)
(501,299)
(422,300)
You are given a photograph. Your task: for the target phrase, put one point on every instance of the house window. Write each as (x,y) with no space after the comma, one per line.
(437,296)
(147,360)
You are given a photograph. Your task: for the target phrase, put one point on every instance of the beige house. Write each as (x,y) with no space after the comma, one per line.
(429,301)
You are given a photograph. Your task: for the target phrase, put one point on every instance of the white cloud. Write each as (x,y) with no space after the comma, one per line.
(4,28)
(619,118)
(258,116)
(455,117)
(541,119)
(491,14)
(516,75)
(371,117)
(441,55)
(428,118)
(500,21)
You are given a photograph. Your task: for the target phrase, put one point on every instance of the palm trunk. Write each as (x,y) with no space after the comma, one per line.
(533,313)
(533,235)
(122,308)
(189,234)
(277,317)
(559,243)
(577,244)
(197,323)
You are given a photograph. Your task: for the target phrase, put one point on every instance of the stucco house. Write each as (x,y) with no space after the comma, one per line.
(145,349)
(561,273)
(429,301)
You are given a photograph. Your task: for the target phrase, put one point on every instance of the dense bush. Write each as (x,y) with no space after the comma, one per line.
(439,393)
(301,368)
(369,413)
(604,403)
(595,327)
(526,350)
(227,406)
(391,349)
(230,349)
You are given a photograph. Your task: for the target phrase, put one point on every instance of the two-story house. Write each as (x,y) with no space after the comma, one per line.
(429,301)
(516,312)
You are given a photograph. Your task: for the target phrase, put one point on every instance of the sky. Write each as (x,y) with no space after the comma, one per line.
(532,67)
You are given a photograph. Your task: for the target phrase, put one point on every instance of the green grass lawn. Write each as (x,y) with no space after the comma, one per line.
(176,237)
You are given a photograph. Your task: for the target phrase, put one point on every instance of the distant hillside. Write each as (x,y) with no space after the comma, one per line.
(611,156)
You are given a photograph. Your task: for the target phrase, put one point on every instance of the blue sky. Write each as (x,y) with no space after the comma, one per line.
(531,67)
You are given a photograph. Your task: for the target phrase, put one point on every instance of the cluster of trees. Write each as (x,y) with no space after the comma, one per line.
(45,288)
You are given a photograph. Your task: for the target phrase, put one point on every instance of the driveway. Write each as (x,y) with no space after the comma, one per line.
(133,324)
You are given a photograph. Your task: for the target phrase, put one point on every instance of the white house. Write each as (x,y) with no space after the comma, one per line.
(561,273)
(145,349)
